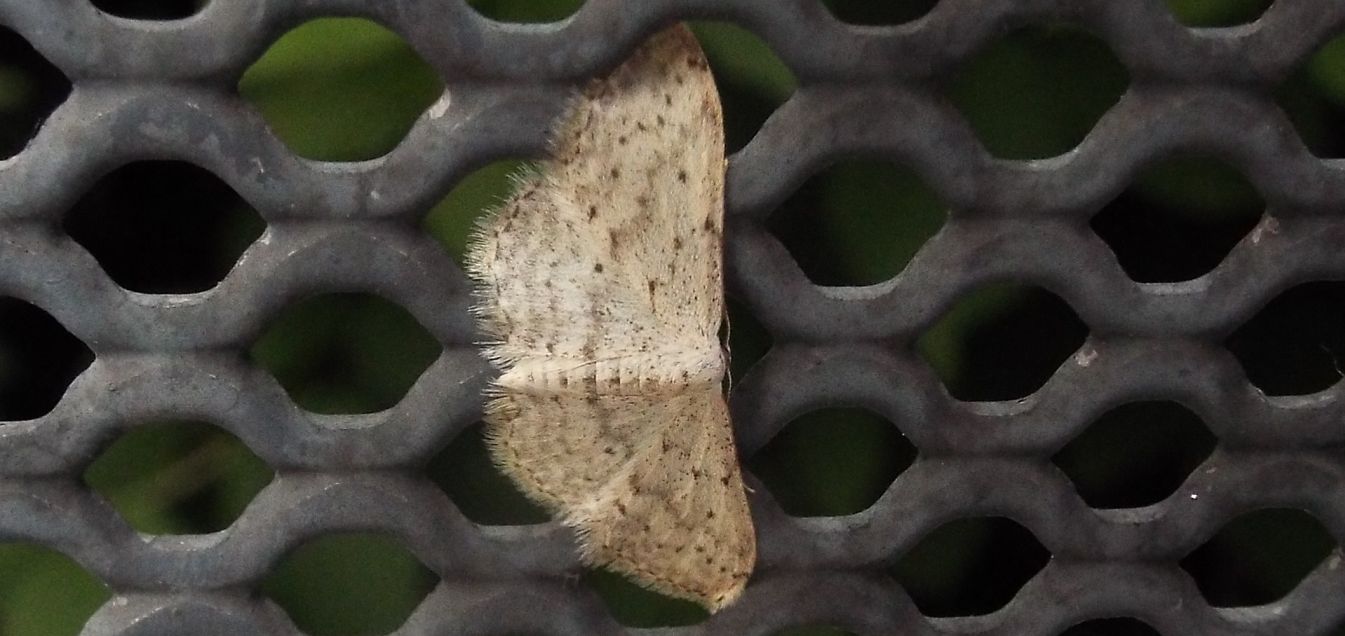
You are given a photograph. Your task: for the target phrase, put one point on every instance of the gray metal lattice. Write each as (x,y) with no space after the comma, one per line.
(137,96)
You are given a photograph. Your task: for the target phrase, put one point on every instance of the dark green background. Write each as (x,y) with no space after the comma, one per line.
(346,89)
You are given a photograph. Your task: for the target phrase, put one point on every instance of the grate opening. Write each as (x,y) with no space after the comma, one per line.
(151,9)
(30,89)
(879,13)
(164,227)
(1295,344)
(178,477)
(1223,13)
(44,592)
(38,360)
(858,222)
(529,12)
(1259,557)
(1179,219)
(1037,92)
(747,340)
(345,352)
(752,81)
(349,584)
(1136,454)
(832,462)
(453,218)
(1001,341)
(634,606)
(465,471)
(970,567)
(1314,100)
(340,89)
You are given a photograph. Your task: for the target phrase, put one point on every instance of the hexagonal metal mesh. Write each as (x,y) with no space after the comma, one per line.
(166,91)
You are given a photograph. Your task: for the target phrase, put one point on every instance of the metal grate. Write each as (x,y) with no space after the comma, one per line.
(154,91)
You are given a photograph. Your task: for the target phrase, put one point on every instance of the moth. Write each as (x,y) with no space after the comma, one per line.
(600,286)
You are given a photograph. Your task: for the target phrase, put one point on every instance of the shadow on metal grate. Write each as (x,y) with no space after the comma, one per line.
(165,91)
